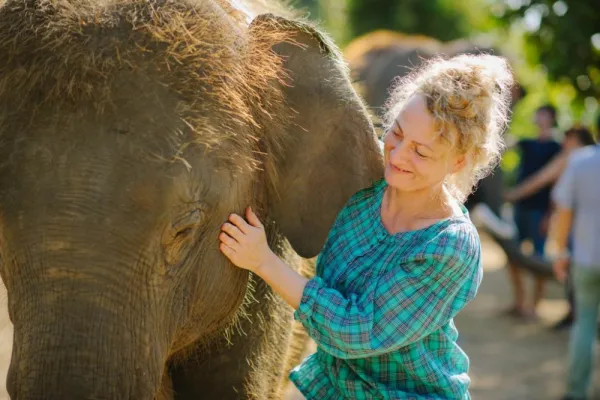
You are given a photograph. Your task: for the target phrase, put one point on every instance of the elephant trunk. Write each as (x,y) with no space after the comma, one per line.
(71,342)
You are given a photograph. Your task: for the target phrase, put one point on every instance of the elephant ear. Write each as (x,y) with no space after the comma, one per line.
(382,72)
(331,150)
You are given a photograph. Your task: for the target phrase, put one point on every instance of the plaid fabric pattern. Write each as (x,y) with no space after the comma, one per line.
(381,308)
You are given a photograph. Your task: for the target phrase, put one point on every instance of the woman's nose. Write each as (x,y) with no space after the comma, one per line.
(398,151)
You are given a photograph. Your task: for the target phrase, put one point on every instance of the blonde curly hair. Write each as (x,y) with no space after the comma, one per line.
(469,99)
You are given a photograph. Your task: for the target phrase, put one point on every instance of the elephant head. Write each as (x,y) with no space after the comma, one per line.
(129,132)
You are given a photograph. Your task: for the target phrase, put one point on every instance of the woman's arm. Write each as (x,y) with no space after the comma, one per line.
(402,308)
(544,177)
(284,280)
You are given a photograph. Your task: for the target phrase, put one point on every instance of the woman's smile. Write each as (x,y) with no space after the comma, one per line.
(400,170)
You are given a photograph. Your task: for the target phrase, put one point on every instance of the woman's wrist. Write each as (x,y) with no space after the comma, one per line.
(269,261)
(283,279)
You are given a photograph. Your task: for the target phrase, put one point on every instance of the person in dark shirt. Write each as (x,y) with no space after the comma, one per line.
(536,153)
(532,211)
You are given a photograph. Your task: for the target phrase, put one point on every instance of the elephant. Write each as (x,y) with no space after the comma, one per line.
(378,58)
(130,131)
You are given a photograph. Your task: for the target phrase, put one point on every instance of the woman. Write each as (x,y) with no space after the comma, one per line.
(402,258)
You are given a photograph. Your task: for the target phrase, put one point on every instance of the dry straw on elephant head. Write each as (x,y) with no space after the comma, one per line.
(61,54)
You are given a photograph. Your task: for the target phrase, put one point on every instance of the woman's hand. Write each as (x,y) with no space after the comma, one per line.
(245,243)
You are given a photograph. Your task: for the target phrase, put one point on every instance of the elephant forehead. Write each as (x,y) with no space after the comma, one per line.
(121,54)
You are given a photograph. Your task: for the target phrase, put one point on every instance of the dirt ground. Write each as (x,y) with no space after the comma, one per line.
(509,360)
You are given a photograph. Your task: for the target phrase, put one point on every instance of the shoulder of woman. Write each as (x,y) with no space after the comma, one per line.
(458,241)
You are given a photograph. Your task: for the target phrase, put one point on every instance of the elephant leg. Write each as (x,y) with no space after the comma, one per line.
(248,366)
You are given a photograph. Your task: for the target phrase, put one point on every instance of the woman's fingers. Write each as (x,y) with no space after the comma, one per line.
(228,240)
(244,243)
(228,251)
(239,222)
(252,218)
(232,231)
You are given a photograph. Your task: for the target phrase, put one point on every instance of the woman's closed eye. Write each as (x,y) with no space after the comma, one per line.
(398,133)
(420,154)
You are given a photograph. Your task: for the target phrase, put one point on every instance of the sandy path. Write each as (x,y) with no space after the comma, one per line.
(509,360)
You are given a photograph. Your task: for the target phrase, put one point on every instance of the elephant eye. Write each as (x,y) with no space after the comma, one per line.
(187,224)
(182,233)
(180,236)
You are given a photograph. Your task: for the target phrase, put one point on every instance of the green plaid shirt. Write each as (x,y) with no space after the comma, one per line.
(381,308)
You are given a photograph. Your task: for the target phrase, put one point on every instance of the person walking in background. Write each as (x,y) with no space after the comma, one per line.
(575,138)
(577,200)
(531,211)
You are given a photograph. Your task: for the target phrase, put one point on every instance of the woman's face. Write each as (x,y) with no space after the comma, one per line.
(416,158)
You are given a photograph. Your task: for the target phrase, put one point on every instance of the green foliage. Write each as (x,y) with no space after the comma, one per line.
(434,18)
(549,74)
(564,36)
(311,7)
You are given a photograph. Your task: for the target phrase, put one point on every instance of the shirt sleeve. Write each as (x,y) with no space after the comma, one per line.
(563,192)
(409,302)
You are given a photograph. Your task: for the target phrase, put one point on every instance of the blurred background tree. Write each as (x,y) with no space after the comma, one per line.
(436,18)
(564,36)
(311,7)
(559,46)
